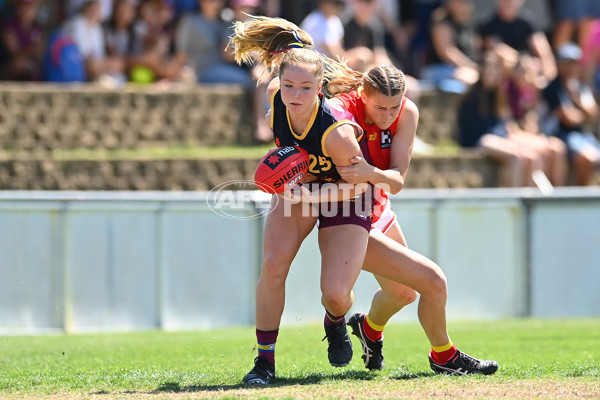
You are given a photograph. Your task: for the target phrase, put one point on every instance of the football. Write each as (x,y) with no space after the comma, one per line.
(281,168)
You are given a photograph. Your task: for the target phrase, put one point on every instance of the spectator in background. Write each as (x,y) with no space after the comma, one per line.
(86,31)
(183,7)
(396,35)
(572,103)
(484,122)
(22,44)
(118,29)
(295,11)
(147,23)
(573,18)
(326,28)
(421,21)
(522,89)
(364,46)
(106,8)
(509,34)
(153,59)
(453,53)
(201,38)
(364,36)
(591,57)
(242,9)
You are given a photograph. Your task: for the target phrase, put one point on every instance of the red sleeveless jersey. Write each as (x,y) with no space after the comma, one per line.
(379,141)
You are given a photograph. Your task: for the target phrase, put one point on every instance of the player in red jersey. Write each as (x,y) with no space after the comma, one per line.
(377,101)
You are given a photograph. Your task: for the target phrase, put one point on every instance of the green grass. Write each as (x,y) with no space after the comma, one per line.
(533,353)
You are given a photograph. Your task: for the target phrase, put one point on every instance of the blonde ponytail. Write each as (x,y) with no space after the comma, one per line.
(277,41)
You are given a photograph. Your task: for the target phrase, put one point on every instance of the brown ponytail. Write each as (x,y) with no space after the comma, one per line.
(385,79)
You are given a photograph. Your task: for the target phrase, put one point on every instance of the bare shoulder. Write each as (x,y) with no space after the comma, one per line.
(410,109)
(409,115)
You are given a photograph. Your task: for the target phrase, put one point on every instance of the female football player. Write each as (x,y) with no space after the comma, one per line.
(376,99)
(300,116)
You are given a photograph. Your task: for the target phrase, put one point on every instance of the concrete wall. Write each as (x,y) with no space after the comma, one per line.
(111,261)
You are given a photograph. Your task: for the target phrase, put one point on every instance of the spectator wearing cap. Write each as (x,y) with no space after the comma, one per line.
(21,44)
(571,102)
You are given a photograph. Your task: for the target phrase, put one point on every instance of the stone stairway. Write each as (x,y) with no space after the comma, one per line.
(36,118)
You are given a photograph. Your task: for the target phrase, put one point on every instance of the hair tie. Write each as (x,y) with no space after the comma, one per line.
(293,45)
(296,37)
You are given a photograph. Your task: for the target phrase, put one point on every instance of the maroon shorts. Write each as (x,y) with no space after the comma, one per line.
(357,211)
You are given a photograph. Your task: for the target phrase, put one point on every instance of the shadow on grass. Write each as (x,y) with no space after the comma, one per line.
(308,379)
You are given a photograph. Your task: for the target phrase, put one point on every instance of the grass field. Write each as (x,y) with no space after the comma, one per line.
(538,359)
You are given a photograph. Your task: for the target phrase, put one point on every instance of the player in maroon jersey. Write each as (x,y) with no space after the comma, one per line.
(301,116)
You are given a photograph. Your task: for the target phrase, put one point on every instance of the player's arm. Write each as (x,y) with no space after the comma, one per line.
(341,145)
(391,180)
(401,151)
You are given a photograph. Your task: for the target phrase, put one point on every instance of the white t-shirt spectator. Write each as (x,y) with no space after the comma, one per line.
(324,31)
(89,38)
(106,7)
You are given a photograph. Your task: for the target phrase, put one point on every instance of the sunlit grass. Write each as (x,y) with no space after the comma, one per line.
(215,361)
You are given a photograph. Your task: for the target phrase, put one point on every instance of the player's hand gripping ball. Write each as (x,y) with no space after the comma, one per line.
(281,169)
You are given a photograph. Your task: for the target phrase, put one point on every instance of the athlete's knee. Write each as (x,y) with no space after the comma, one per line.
(401,295)
(437,285)
(337,300)
(275,267)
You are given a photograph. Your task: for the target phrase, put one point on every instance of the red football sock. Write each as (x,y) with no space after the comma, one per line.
(266,344)
(442,354)
(373,331)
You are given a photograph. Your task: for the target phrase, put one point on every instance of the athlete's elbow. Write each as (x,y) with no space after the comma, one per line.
(397,187)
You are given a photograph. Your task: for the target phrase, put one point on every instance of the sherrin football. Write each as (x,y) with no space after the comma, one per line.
(281,168)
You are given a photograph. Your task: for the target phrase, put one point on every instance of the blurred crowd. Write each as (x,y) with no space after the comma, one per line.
(529,96)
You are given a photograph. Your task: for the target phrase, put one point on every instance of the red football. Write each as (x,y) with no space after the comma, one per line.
(281,169)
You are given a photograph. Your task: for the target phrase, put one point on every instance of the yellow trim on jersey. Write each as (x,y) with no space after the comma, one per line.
(373,325)
(439,349)
(335,125)
(272,107)
(311,121)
